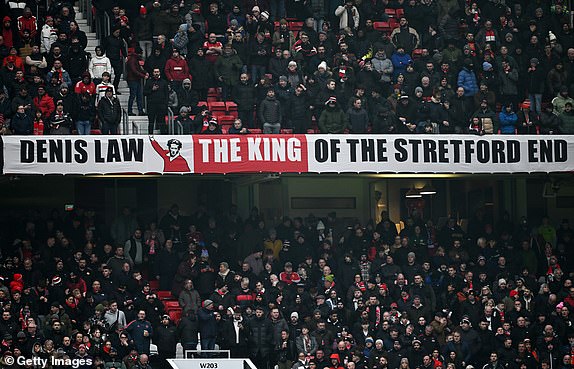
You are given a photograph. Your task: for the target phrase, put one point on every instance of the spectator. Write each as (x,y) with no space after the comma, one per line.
(270,113)
(86,114)
(136,75)
(332,119)
(115,49)
(22,123)
(109,112)
(141,332)
(348,15)
(156,91)
(207,326)
(567,119)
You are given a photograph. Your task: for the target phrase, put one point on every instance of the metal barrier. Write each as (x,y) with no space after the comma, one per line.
(125,119)
(170,121)
(199,352)
(179,128)
(135,129)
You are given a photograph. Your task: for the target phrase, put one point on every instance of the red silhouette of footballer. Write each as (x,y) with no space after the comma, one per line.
(172,159)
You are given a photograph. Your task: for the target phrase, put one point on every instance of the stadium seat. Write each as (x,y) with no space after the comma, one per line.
(391,12)
(256,131)
(175,315)
(399,13)
(393,23)
(165,295)
(226,120)
(416,54)
(224,130)
(230,106)
(169,305)
(287,131)
(382,26)
(295,26)
(216,106)
(202,103)
(218,113)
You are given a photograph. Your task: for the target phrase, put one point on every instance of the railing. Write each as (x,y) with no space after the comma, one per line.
(85,7)
(125,122)
(135,129)
(170,121)
(179,128)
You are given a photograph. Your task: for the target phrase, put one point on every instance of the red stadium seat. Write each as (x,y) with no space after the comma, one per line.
(295,26)
(391,12)
(287,131)
(400,13)
(95,132)
(417,53)
(216,106)
(175,315)
(230,106)
(393,23)
(170,305)
(202,103)
(165,295)
(382,26)
(256,131)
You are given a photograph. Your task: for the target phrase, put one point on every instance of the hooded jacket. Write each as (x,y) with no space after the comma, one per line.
(176,69)
(228,66)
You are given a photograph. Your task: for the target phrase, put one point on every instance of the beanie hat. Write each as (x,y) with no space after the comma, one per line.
(332,99)
(418,89)
(323,65)
(265,15)
(143,10)
(486,66)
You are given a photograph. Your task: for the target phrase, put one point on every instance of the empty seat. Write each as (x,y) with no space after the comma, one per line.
(165,295)
(154,285)
(287,131)
(256,131)
(171,305)
(230,106)
(175,315)
(216,106)
(382,26)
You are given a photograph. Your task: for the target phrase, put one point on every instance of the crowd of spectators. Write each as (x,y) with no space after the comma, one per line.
(307,293)
(358,66)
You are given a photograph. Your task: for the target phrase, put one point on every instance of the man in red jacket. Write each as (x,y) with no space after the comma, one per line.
(135,76)
(176,70)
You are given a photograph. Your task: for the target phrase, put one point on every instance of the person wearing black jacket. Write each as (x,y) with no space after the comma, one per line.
(115,49)
(22,123)
(86,113)
(156,91)
(187,331)
(165,337)
(109,113)
(298,109)
(244,97)
(260,333)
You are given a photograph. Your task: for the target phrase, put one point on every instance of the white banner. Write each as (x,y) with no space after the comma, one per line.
(440,154)
(287,154)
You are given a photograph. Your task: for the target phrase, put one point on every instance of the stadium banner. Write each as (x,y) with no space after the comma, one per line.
(207,154)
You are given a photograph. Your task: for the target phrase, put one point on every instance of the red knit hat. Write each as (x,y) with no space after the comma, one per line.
(143,10)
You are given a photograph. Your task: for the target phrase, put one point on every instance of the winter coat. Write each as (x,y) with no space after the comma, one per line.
(559,102)
(383,66)
(507,121)
(298,106)
(115,48)
(134,68)
(400,62)
(22,124)
(270,111)
(358,120)
(333,120)
(176,69)
(45,104)
(260,53)
(228,68)
(488,119)
(159,96)
(190,301)
(535,81)
(143,28)
(207,323)
(200,69)
(165,337)
(549,122)
(86,110)
(567,123)
(343,15)
(244,96)
(109,111)
(508,82)
(260,333)
(467,80)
